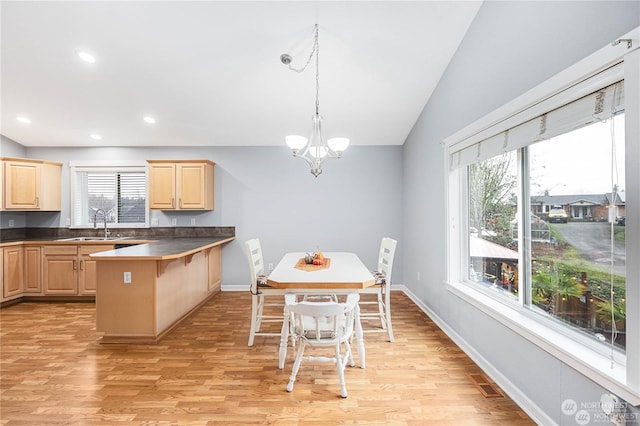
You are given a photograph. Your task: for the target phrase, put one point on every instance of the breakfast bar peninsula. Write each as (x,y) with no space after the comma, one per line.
(145,290)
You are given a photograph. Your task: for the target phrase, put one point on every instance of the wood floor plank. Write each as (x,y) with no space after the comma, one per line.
(56,371)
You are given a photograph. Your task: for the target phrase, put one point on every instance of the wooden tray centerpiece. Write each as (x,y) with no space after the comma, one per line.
(310,267)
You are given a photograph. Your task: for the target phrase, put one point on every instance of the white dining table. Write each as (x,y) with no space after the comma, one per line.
(345,274)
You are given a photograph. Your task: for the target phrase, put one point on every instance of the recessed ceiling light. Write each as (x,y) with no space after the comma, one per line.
(149,120)
(23,120)
(95,136)
(87,57)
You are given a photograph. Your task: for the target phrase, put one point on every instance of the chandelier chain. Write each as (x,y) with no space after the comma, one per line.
(315,50)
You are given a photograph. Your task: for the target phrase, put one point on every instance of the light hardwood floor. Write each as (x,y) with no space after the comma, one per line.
(54,370)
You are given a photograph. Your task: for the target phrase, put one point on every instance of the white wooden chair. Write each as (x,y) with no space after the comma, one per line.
(381,289)
(322,324)
(260,290)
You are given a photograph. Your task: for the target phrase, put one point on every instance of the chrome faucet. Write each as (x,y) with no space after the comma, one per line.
(104,217)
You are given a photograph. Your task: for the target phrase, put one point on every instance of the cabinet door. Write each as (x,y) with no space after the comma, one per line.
(162,186)
(22,185)
(50,194)
(1,273)
(88,275)
(13,272)
(191,184)
(32,269)
(61,274)
(195,186)
(2,201)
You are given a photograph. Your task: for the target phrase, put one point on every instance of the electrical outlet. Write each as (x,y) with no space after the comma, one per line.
(417,276)
(12,223)
(193,221)
(270,266)
(67,221)
(154,221)
(127,277)
(174,221)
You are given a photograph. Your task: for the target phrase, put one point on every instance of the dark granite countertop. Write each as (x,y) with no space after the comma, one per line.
(150,243)
(162,249)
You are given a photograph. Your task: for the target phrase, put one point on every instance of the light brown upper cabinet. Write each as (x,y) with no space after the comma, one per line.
(181,184)
(31,184)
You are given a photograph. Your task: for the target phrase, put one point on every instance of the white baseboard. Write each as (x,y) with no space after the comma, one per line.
(523,401)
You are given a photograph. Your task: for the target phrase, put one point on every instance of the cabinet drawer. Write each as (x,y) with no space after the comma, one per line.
(63,250)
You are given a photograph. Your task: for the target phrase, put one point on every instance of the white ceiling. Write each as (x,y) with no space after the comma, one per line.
(210,72)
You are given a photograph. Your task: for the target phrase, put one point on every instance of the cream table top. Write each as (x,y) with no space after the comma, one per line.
(346,272)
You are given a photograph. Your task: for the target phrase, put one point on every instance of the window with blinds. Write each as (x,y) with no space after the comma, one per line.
(120,193)
(537,195)
(541,200)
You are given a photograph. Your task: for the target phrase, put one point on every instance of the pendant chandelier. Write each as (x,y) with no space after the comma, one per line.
(314,150)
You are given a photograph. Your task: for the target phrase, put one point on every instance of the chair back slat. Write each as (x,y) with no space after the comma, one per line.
(385,257)
(256,261)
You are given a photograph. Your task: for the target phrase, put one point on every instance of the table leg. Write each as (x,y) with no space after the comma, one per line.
(284,338)
(359,337)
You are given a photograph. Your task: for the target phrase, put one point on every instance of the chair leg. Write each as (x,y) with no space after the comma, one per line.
(387,311)
(381,309)
(254,318)
(340,368)
(260,311)
(349,354)
(296,367)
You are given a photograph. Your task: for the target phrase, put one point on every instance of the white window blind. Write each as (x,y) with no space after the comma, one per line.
(520,130)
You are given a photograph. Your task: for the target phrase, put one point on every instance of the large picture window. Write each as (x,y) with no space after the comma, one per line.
(537,201)
(575,230)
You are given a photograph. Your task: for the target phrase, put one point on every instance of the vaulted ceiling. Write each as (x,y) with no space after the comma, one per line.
(209,72)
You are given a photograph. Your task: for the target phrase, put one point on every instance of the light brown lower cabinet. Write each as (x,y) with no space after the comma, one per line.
(1,273)
(12,272)
(68,270)
(60,270)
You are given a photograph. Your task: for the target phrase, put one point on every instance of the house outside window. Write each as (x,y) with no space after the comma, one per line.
(535,198)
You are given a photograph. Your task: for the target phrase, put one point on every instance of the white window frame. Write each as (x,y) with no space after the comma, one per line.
(624,378)
(108,166)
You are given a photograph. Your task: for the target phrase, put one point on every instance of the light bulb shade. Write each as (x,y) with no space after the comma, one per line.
(295,142)
(339,145)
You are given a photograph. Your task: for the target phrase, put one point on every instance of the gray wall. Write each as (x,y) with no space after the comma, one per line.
(266,193)
(510,48)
